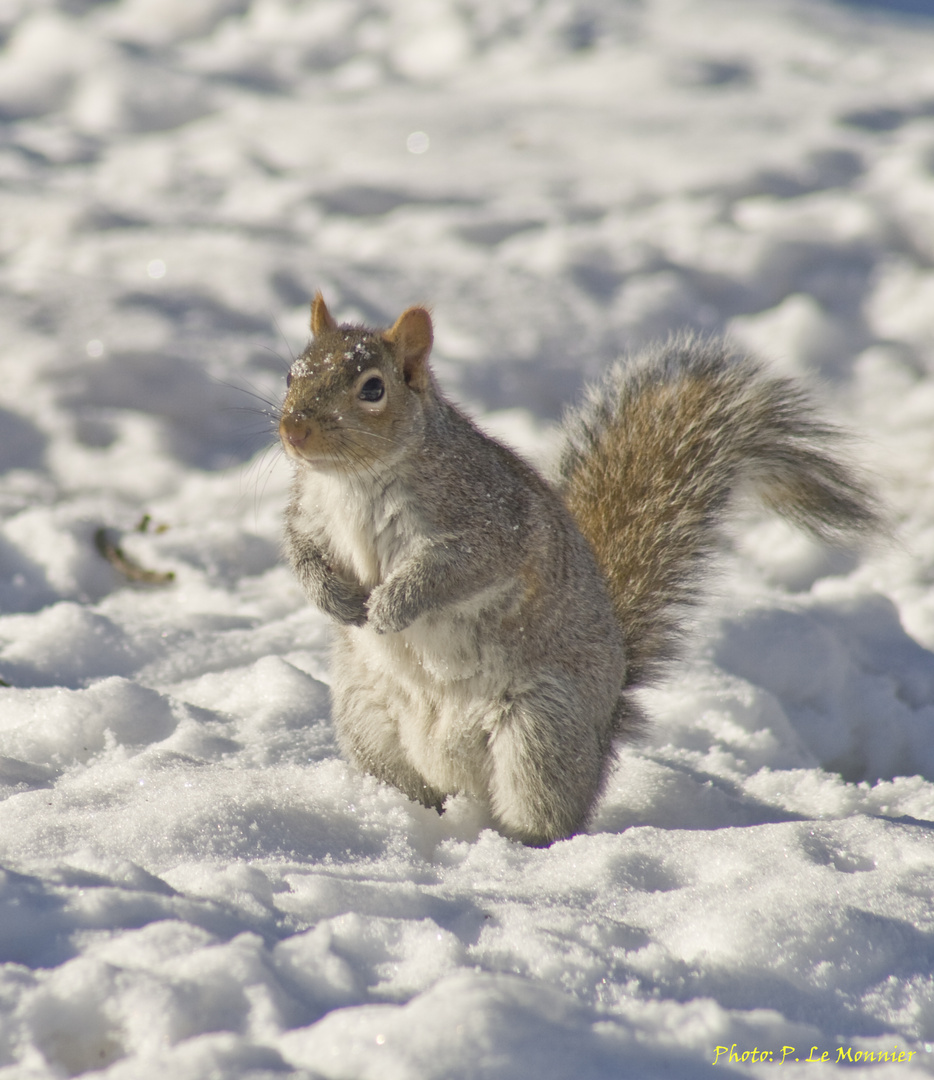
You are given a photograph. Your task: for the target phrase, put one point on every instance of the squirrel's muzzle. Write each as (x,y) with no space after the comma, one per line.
(297,433)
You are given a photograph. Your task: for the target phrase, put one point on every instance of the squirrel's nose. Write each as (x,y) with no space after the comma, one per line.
(295,430)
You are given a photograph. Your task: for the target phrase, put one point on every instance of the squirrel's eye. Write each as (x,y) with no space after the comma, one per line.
(288,380)
(372,390)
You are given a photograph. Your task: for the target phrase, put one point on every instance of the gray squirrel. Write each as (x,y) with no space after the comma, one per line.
(491,628)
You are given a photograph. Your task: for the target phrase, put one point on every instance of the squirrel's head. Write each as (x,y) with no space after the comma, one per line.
(356,396)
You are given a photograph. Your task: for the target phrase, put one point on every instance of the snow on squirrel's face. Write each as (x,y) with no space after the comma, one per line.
(353,394)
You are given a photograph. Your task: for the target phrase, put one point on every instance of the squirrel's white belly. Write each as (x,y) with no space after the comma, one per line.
(435,688)
(441,692)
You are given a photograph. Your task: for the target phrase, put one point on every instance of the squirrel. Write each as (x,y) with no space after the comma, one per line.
(492,628)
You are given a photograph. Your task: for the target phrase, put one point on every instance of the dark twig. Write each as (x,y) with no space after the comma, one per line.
(131,570)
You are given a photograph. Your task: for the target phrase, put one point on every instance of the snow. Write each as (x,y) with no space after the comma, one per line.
(192,882)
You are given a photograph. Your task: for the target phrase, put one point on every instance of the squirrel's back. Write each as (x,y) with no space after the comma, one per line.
(656,452)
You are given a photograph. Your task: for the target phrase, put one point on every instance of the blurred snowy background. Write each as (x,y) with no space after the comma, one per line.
(193,883)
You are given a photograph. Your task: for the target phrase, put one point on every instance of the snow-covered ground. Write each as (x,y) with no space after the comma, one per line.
(193,883)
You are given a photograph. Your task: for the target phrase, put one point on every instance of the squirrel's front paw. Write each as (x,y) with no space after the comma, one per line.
(388,608)
(345,602)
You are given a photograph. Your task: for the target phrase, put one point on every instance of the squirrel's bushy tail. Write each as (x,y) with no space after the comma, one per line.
(653,457)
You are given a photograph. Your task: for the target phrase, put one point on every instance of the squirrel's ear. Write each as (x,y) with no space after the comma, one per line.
(321,319)
(412,337)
